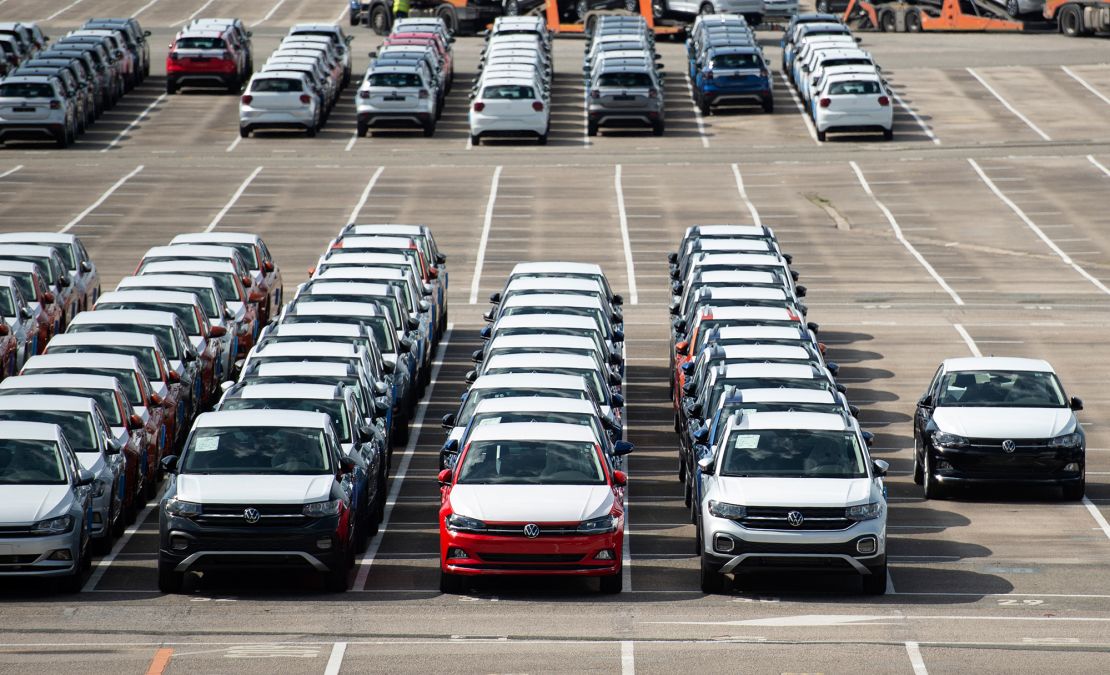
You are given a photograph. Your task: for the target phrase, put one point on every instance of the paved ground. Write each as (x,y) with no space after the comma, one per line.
(981,229)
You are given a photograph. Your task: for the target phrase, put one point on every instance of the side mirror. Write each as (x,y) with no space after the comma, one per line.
(174,377)
(225,385)
(447,422)
(478,355)
(380,388)
(48,297)
(841,388)
(26,313)
(112,447)
(424,306)
(705,463)
(868,438)
(413,323)
(800,291)
(256,296)
(672,258)
(217,331)
(879,467)
(189,357)
(833,368)
(488,316)
(85,477)
(134,423)
(813,327)
(451,446)
(615,379)
(617,402)
(381,406)
(4,330)
(794,275)
(618,299)
(682,348)
(700,435)
(689,387)
(673,308)
(433,273)
(404,346)
(620,478)
(247,281)
(495,298)
(366,431)
(63,282)
(268,266)
(853,411)
(441,259)
(926,401)
(444,477)
(618,335)
(169,463)
(1076,403)
(346,466)
(471,375)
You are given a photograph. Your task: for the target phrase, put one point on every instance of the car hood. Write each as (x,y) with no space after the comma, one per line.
(91,461)
(531,503)
(814,492)
(24,504)
(1005,422)
(253,489)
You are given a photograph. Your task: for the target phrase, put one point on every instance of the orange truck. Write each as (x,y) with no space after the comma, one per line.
(1077,18)
(1072,17)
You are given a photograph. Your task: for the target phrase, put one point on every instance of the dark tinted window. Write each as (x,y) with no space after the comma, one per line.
(31,463)
(625,80)
(277,85)
(26,90)
(200,43)
(509,91)
(395,80)
(257,450)
(855,88)
(737,61)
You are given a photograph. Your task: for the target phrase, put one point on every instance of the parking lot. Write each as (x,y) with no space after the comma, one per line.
(981,229)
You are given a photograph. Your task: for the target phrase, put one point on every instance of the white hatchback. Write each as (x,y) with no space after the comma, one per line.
(853,102)
(279,100)
(509,106)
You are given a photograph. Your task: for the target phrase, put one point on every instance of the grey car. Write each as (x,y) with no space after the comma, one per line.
(625,96)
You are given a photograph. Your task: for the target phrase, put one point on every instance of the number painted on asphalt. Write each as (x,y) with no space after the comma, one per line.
(1015,602)
(758,598)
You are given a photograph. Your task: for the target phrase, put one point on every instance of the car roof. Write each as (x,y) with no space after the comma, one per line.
(28,249)
(262,418)
(738,276)
(111,361)
(147,280)
(741,293)
(393,68)
(36,431)
(54,380)
(18,265)
(325,392)
(47,402)
(139,316)
(766,313)
(546,321)
(756,332)
(558,267)
(790,370)
(553,300)
(763,352)
(217,236)
(325,308)
(36,79)
(347,287)
(171,297)
(973,363)
(855,73)
(360,273)
(306,348)
(193,265)
(541,361)
(323,328)
(533,404)
(363,257)
(531,380)
(108,338)
(321,368)
(541,340)
(781,395)
(713,258)
(794,420)
(532,431)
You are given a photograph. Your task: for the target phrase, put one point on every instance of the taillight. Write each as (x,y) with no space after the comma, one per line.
(825,102)
(652,93)
(306,99)
(537,106)
(884,101)
(424,93)
(247,98)
(55,105)
(479,106)
(364,94)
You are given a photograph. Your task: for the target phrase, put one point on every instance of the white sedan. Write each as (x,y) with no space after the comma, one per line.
(853,102)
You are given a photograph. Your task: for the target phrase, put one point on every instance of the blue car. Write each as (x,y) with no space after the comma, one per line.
(733,75)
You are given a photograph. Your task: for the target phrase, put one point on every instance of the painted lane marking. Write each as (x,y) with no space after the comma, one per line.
(103,198)
(234,198)
(194,14)
(1009,107)
(11,171)
(104,563)
(697,113)
(481,257)
(160,661)
(269,14)
(365,195)
(744,196)
(918,663)
(1083,82)
(974,348)
(805,116)
(335,661)
(1097,515)
(916,118)
(634,296)
(63,9)
(628,657)
(1090,158)
(134,122)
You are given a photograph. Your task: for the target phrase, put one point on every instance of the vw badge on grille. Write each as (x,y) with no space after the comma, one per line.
(795,518)
(1008,446)
(251,515)
(531,530)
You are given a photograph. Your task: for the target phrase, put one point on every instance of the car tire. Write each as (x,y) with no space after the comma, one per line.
(822,135)
(450,18)
(888,23)
(918,471)
(234,87)
(1013,9)
(712,581)
(61,139)
(888,134)
(244,132)
(335,579)
(913,21)
(768,105)
(658,129)
(352,18)
(1071,21)
(704,108)
(310,130)
(76,581)
(875,583)
(381,21)
(451,584)
(362,128)
(933,489)
(612,584)
(429,131)
(170,581)
(1073,492)
(591,129)
(681,470)
(475,140)
(542,139)
(687,493)
(171,87)
(120,524)
(706,8)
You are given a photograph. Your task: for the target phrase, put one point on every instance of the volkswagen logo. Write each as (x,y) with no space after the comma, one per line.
(795,518)
(251,515)
(531,530)
(1008,446)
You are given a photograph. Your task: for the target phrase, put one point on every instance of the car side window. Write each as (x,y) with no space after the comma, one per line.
(934,387)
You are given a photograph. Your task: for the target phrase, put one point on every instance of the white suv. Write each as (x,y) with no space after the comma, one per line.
(393,95)
(36,107)
(789,491)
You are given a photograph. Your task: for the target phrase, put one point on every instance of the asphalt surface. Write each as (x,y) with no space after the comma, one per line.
(982,228)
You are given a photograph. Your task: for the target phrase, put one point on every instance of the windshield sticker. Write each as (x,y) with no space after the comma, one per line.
(746,441)
(489,420)
(207,444)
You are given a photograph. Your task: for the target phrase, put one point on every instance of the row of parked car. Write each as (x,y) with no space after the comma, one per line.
(56,92)
(531,472)
(623,76)
(511,95)
(300,83)
(840,84)
(408,79)
(726,64)
(776,470)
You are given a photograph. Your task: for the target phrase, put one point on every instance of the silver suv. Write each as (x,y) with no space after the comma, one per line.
(37,107)
(625,96)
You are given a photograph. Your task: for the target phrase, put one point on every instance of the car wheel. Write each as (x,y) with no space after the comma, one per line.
(658,129)
(244,132)
(475,140)
(658,8)
(233,87)
(704,108)
(933,489)
(918,471)
(380,20)
(76,581)
(362,129)
(335,579)
(888,23)
(769,105)
(612,584)
(681,469)
(429,130)
(450,584)
(1071,21)
(61,139)
(591,129)
(119,525)
(580,8)
(888,134)
(446,13)
(712,581)
(310,131)
(699,545)
(352,18)
(913,22)
(687,495)
(822,135)
(875,583)
(542,139)
(1074,492)
(171,87)
(1013,9)
(512,8)
(170,581)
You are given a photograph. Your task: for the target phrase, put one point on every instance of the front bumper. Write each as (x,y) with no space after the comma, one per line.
(1040,466)
(190,547)
(518,555)
(27,556)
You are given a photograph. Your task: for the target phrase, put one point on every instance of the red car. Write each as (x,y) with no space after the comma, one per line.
(207,58)
(528,499)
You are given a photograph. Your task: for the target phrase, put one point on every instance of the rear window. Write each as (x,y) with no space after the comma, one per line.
(200,43)
(395,80)
(854,88)
(736,61)
(509,91)
(26,90)
(625,80)
(276,85)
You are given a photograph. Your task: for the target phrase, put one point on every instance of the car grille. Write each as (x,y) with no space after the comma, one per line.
(545,530)
(18,559)
(845,548)
(530,557)
(269,515)
(777,518)
(16,532)
(1021,443)
(771,562)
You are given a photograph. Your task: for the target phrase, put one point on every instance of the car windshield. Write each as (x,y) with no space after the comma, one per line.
(624,80)
(544,462)
(763,383)
(7,304)
(476,396)
(592,377)
(26,284)
(126,379)
(388,304)
(854,88)
(395,80)
(256,450)
(1004,389)
(148,358)
(334,408)
(26,90)
(105,398)
(277,85)
(736,61)
(48,264)
(707,327)
(163,333)
(184,312)
(76,425)
(793,453)
(509,91)
(31,462)
(200,43)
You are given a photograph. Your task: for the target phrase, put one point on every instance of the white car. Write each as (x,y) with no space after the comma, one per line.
(82,269)
(791,491)
(279,100)
(573,270)
(823,61)
(333,33)
(509,106)
(853,102)
(34,107)
(401,95)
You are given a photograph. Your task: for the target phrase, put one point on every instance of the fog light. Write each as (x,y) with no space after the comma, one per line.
(456,553)
(607,554)
(723,544)
(60,554)
(1073,466)
(867,545)
(323,544)
(179,543)
(943,465)
(97,519)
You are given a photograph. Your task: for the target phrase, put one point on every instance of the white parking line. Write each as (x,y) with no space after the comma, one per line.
(1009,107)
(697,113)
(916,661)
(365,195)
(342,14)
(17,168)
(801,109)
(142,9)
(104,563)
(481,258)
(898,234)
(335,661)
(628,657)
(351,143)
(744,196)
(916,118)
(634,297)
(1090,158)
(1038,231)
(194,14)
(95,205)
(234,198)
(63,9)
(1097,515)
(403,467)
(269,14)
(974,348)
(1083,82)
(234,144)
(138,119)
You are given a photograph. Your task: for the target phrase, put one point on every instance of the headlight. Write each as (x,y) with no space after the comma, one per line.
(729,511)
(946,440)
(176,507)
(864,511)
(606,523)
(59,525)
(321,509)
(1067,441)
(457,523)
